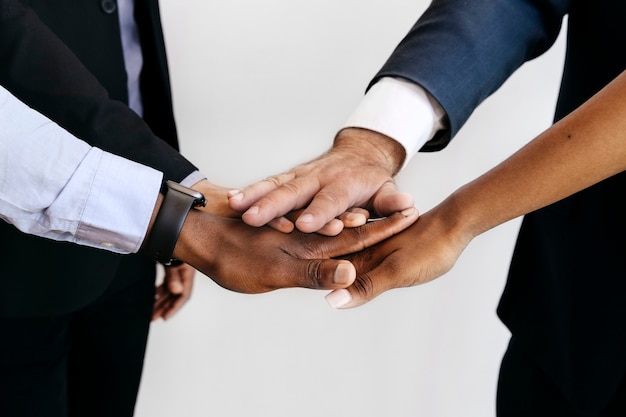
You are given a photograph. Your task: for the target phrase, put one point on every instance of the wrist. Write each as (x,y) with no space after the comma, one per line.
(464,220)
(199,239)
(217,199)
(186,244)
(168,220)
(386,152)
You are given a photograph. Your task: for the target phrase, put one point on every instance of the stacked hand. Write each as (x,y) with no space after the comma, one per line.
(356,173)
(331,195)
(327,192)
(260,259)
(423,252)
(254,260)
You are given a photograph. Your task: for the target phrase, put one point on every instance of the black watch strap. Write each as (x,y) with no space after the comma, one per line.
(169,220)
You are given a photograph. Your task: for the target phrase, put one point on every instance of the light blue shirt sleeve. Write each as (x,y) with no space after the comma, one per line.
(57,186)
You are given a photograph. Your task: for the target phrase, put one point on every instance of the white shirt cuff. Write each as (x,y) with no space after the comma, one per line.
(401,110)
(192,178)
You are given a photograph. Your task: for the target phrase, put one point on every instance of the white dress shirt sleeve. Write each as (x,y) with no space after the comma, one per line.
(402,110)
(56,186)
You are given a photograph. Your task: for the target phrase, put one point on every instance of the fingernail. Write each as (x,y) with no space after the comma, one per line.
(253,210)
(305,218)
(408,212)
(338,298)
(344,274)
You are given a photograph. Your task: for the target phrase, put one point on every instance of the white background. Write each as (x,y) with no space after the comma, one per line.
(260,87)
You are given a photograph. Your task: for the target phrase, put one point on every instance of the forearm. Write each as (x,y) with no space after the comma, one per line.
(251,260)
(582,149)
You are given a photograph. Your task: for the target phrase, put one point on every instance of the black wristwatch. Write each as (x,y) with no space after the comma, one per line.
(169,220)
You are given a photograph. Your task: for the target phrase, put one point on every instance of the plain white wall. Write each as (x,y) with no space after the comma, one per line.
(260,87)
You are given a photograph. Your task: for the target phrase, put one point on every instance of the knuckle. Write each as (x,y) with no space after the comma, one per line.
(360,237)
(291,188)
(274,181)
(313,275)
(281,179)
(331,202)
(329,197)
(364,286)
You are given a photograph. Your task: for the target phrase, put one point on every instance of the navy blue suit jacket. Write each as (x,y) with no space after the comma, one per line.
(564,298)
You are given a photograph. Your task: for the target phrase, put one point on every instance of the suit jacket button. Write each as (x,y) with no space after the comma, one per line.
(108,6)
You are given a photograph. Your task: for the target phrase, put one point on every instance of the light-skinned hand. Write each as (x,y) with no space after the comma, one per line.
(356,173)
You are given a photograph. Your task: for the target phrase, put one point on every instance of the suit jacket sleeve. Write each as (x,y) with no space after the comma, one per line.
(462,51)
(43,73)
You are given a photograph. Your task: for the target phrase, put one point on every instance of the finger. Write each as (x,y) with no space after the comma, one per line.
(157,314)
(178,300)
(177,278)
(282,224)
(356,239)
(159,306)
(172,282)
(365,288)
(290,196)
(241,200)
(292,272)
(354,217)
(168,305)
(160,293)
(175,285)
(173,307)
(320,274)
(389,200)
(332,228)
(327,204)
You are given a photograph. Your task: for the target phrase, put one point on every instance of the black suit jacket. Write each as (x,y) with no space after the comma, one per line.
(564,299)
(64,58)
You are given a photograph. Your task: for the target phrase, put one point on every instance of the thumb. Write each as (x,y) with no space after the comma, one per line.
(356,239)
(364,289)
(322,274)
(389,200)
